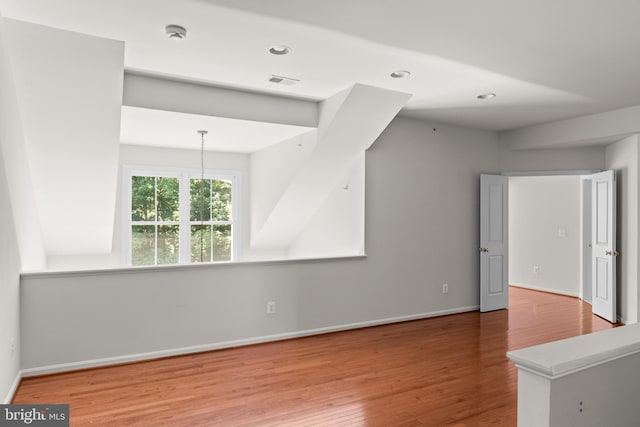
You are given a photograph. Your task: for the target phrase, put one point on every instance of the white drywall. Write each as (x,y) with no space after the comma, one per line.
(345,132)
(9,292)
(272,169)
(598,128)
(541,211)
(187,97)
(10,251)
(624,158)
(337,228)
(165,158)
(17,164)
(422,230)
(69,89)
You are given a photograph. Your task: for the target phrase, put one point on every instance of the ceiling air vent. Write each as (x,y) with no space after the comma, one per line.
(283,80)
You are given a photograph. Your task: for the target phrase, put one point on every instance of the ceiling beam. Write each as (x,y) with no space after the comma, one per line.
(159,93)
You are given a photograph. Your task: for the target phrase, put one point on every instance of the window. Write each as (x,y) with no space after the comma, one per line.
(155,220)
(178,217)
(210,220)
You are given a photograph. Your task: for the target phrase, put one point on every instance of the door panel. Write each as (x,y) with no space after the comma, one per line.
(494,204)
(603,262)
(496,282)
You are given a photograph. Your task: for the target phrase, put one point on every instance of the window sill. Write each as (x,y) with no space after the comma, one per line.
(178,267)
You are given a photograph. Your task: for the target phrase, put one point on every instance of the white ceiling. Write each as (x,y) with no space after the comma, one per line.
(142,126)
(545,59)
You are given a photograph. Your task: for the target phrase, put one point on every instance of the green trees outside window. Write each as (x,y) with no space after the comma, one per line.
(158,232)
(210,202)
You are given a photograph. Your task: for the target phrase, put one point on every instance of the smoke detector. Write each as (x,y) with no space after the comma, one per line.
(175,32)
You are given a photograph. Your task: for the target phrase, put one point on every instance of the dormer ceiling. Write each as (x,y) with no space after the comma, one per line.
(545,60)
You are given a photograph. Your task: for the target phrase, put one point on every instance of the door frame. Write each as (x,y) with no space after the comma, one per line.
(585,266)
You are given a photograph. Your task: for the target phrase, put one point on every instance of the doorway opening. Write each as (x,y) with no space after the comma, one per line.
(546,233)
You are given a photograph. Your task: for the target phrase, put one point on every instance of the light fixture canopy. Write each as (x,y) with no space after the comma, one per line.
(279,50)
(176,32)
(400,74)
(488,95)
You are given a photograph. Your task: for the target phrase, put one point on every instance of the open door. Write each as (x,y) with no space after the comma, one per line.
(494,265)
(603,253)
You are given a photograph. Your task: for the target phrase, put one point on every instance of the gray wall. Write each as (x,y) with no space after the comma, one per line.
(623,157)
(551,159)
(421,231)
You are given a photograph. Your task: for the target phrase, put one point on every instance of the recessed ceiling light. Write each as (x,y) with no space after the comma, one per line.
(486,96)
(175,32)
(279,50)
(400,74)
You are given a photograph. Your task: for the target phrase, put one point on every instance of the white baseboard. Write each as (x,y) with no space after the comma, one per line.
(543,289)
(13,388)
(42,370)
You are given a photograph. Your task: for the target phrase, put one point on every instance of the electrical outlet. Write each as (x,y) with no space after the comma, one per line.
(536,269)
(271,307)
(13,346)
(445,288)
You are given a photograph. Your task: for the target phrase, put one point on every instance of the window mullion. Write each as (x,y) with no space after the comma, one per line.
(155,217)
(185,213)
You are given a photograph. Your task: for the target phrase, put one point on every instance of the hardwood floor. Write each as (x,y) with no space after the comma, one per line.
(450,370)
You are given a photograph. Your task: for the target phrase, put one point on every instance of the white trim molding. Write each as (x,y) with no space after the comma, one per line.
(13,388)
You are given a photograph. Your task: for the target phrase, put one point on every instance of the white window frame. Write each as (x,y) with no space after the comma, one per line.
(184,176)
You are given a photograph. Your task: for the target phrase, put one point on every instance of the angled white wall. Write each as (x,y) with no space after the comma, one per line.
(69,90)
(349,123)
(272,169)
(337,228)
(19,235)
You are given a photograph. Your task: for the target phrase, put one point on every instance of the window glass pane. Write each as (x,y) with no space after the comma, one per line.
(221,200)
(168,244)
(200,200)
(143,244)
(222,242)
(142,198)
(200,243)
(168,199)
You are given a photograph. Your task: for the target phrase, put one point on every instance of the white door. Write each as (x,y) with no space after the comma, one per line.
(603,253)
(586,252)
(494,208)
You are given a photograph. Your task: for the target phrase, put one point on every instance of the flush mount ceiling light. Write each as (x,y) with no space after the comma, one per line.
(486,96)
(175,32)
(279,50)
(400,74)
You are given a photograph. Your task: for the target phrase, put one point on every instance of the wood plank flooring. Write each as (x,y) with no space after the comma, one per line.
(450,370)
